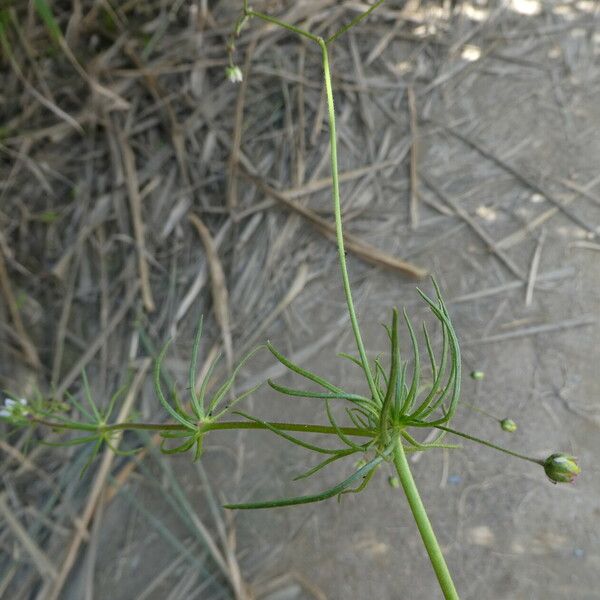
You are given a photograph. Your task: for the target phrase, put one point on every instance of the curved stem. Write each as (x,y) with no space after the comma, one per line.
(338,223)
(418,510)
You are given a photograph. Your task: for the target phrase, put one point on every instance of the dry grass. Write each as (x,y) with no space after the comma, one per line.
(140,189)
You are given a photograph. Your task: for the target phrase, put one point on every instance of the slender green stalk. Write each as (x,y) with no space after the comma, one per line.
(490,445)
(211,426)
(300,427)
(354,22)
(424,525)
(339,234)
(288,26)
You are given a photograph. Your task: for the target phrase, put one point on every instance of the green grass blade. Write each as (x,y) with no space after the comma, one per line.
(45,12)
(4,21)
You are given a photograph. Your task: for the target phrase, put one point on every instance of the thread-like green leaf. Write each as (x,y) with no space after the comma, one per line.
(339,432)
(412,392)
(220,393)
(321,395)
(236,400)
(178,449)
(72,442)
(159,393)
(197,406)
(113,401)
(393,379)
(87,393)
(300,371)
(330,493)
(341,454)
(287,436)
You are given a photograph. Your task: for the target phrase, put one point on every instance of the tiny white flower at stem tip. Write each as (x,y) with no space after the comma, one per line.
(234,74)
(14,408)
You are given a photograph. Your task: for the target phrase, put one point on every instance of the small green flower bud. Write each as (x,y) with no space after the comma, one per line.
(508,425)
(477,375)
(561,468)
(394,482)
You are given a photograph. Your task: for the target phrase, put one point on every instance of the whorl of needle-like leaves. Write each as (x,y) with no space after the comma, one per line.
(384,417)
(202,412)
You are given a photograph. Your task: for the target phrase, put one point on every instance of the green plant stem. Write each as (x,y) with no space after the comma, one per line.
(354,22)
(490,445)
(339,234)
(334,172)
(420,515)
(252,13)
(225,425)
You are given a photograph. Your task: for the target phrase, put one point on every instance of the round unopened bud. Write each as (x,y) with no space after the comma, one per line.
(477,375)
(561,468)
(508,425)
(394,482)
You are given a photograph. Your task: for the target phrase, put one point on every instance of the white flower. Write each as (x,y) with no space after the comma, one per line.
(14,408)
(234,74)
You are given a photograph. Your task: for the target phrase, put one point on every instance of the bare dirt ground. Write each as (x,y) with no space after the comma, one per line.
(470,147)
